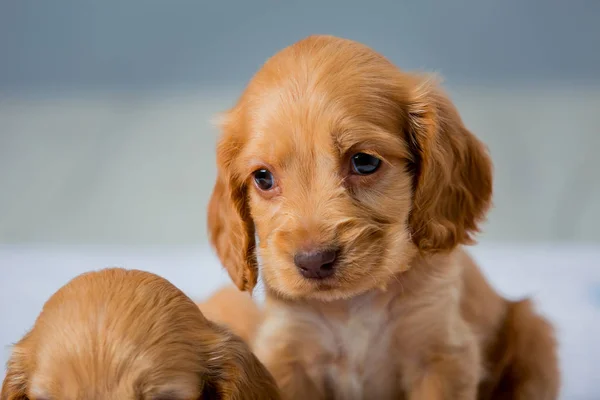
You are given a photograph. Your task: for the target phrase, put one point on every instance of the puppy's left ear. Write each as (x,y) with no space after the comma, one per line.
(453,182)
(14,386)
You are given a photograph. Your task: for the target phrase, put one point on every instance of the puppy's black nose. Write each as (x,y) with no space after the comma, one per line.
(316,264)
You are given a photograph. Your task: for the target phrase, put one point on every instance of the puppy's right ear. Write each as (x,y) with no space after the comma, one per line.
(230,226)
(14,386)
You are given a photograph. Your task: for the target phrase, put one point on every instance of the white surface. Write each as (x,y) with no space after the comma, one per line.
(564,281)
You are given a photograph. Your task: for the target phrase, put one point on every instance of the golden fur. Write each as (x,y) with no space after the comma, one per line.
(126,334)
(407,314)
(235,310)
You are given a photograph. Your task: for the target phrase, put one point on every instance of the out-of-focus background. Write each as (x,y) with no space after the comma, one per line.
(107,150)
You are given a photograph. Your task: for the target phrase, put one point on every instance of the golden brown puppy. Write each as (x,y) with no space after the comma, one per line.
(361,183)
(123,334)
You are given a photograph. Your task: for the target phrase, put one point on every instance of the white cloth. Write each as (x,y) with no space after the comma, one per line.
(563,280)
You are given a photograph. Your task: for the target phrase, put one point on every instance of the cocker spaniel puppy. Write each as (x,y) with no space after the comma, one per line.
(130,335)
(352,186)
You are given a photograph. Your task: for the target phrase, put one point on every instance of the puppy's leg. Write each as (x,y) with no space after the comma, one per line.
(287,366)
(294,382)
(450,375)
(290,357)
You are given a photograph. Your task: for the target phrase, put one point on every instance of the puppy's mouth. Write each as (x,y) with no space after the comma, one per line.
(351,273)
(327,284)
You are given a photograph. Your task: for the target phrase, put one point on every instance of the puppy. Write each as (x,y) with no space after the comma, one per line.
(125,334)
(361,184)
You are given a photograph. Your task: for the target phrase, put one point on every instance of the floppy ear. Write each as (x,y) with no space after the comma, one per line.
(235,372)
(453,173)
(230,226)
(14,386)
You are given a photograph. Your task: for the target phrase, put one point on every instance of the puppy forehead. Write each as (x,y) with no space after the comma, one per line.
(73,377)
(296,110)
(315,127)
(285,123)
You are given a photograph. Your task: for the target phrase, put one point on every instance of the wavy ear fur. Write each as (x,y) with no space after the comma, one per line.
(453,172)
(14,386)
(230,226)
(236,373)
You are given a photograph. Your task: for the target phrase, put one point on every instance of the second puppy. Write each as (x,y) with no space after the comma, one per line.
(130,335)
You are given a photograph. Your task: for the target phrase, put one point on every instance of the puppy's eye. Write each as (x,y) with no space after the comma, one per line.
(364,164)
(264,180)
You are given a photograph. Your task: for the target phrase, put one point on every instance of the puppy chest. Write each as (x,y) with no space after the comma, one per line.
(357,358)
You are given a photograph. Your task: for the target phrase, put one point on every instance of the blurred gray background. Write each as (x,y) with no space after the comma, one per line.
(105,107)
(107,150)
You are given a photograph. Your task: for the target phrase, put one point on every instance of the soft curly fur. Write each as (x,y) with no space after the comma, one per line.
(406,313)
(125,334)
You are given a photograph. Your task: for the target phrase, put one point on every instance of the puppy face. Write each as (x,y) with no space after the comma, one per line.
(344,167)
(118,334)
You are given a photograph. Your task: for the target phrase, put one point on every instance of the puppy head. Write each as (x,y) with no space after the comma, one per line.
(345,168)
(118,334)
